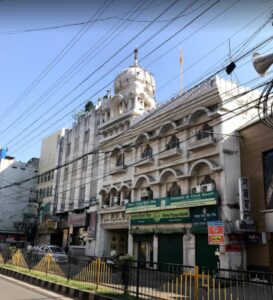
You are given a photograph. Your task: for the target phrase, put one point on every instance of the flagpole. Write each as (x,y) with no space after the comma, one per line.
(180,62)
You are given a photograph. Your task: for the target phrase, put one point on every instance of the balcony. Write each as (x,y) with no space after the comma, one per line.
(196,144)
(114,220)
(145,162)
(170,153)
(117,169)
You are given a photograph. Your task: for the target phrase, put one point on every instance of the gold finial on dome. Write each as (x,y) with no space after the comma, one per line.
(136,57)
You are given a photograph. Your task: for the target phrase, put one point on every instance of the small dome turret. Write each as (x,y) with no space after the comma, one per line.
(136,79)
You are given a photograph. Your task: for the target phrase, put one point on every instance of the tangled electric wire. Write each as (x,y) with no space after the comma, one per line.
(265,105)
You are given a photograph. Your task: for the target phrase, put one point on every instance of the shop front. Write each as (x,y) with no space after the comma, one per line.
(174,230)
(77,233)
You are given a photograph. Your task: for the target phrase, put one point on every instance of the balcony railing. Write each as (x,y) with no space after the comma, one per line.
(196,144)
(170,153)
(118,169)
(145,161)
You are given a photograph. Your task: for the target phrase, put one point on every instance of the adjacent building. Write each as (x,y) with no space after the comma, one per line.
(18,202)
(257,167)
(47,223)
(76,182)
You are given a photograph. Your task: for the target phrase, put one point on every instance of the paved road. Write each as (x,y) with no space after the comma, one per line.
(11,289)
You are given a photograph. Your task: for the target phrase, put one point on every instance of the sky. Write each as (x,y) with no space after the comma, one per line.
(57,55)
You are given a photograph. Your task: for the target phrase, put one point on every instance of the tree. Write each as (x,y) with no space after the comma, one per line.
(88,106)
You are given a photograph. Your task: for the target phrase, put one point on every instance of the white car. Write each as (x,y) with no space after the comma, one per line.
(58,254)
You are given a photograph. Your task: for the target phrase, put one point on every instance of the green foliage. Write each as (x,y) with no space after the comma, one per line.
(125,264)
(88,106)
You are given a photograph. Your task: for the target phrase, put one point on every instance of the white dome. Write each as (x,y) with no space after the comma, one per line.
(135,78)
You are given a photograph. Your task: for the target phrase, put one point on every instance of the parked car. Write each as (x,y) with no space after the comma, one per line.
(57,252)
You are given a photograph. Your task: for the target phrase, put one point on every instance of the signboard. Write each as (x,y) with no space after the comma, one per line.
(77,220)
(256,238)
(245,226)
(201,215)
(161,217)
(91,230)
(183,201)
(244,199)
(216,233)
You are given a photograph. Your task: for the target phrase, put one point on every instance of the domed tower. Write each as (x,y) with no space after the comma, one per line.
(134,94)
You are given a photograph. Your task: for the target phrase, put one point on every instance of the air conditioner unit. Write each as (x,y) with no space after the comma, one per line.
(207,187)
(105,206)
(196,189)
(144,193)
(124,202)
(115,199)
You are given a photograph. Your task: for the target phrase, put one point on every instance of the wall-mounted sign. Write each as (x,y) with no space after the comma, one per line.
(161,217)
(245,226)
(77,220)
(91,230)
(183,201)
(201,215)
(244,199)
(216,233)
(256,238)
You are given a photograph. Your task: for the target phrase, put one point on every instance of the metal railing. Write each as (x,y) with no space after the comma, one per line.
(145,280)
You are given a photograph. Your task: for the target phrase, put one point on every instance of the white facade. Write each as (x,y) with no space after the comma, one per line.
(171,150)
(18,207)
(160,172)
(45,186)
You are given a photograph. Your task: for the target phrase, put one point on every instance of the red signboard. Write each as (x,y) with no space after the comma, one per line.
(216,233)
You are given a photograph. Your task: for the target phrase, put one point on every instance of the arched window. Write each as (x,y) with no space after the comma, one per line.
(174,190)
(147,152)
(173,143)
(207,180)
(120,160)
(147,194)
(204,132)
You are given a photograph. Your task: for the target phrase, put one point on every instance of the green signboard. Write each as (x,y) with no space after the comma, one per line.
(201,215)
(183,201)
(161,217)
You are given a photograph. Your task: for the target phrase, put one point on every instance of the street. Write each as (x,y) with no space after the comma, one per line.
(12,289)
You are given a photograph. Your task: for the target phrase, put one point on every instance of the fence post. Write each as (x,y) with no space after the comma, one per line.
(30,260)
(69,262)
(137,280)
(196,278)
(98,273)
(47,263)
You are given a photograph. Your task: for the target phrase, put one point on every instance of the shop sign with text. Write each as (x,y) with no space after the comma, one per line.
(201,215)
(216,233)
(183,201)
(77,220)
(161,217)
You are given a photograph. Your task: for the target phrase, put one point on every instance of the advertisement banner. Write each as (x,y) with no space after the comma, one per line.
(77,220)
(216,233)
(92,228)
(161,217)
(182,201)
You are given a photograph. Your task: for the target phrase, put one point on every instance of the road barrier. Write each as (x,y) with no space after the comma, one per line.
(147,280)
